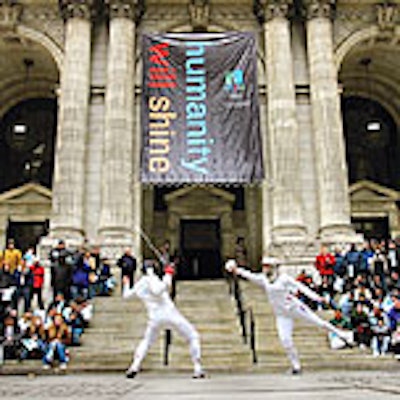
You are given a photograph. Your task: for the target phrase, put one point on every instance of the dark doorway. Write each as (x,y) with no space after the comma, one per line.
(26,234)
(200,248)
(372,228)
(27,138)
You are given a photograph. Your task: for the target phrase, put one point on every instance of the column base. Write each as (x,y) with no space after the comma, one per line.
(113,242)
(295,255)
(288,234)
(332,235)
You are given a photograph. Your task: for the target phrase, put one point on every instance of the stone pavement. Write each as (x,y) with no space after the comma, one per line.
(149,386)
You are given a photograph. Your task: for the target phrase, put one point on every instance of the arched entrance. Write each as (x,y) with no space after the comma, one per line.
(28,123)
(371,117)
(371,142)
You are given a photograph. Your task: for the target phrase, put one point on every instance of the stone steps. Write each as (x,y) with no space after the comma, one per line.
(311,342)
(118,325)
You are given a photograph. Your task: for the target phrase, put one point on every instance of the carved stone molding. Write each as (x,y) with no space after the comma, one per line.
(199,14)
(387,15)
(122,8)
(76,9)
(265,10)
(10,13)
(320,8)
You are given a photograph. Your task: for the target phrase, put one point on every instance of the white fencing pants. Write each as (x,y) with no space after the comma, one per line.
(285,332)
(173,319)
(284,324)
(302,311)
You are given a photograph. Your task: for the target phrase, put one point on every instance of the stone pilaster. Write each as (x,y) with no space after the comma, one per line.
(69,170)
(334,206)
(282,132)
(116,218)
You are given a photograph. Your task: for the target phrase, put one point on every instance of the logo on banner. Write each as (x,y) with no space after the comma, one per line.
(234,84)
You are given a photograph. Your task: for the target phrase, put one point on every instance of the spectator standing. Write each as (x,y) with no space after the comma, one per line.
(379,263)
(241,253)
(61,270)
(38,280)
(324,263)
(165,251)
(353,262)
(24,282)
(11,256)
(366,259)
(127,264)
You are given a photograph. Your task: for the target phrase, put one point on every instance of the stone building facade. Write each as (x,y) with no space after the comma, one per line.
(312,55)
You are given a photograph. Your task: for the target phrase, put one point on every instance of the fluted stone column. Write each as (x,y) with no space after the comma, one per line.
(69,170)
(334,204)
(287,218)
(116,220)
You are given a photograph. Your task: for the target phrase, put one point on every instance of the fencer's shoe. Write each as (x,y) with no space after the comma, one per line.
(199,374)
(296,371)
(348,338)
(130,374)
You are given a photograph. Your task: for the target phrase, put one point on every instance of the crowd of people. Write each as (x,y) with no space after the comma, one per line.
(34,327)
(362,284)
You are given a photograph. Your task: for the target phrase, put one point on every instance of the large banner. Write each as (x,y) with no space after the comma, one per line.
(200,114)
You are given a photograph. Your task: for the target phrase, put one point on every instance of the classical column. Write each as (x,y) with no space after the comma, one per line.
(334,206)
(282,132)
(116,220)
(69,170)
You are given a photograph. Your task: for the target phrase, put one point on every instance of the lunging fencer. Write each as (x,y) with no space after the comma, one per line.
(162,314)
(281,290)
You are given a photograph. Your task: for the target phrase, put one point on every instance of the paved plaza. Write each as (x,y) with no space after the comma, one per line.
(149,386)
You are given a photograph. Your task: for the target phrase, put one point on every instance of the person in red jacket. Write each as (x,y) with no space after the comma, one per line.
(38,280)
(324,263)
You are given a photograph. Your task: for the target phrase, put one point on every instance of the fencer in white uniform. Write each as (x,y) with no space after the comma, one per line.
(162,314)
(281,291)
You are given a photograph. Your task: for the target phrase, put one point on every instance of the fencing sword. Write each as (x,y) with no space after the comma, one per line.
(151,245)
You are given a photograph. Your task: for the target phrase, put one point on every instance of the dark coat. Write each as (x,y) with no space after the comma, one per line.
(127,264)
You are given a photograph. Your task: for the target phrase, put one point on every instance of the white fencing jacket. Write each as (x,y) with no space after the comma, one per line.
(281,292)
(154,293)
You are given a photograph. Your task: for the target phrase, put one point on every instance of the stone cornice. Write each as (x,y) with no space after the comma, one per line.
(266,10)
(319,8)
(83,9)
(10,13)
(122,8)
